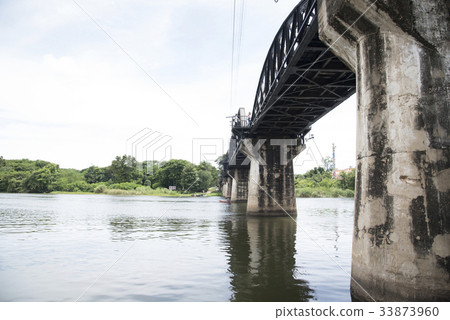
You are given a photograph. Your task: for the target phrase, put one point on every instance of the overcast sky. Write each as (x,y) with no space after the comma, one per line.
(77,92)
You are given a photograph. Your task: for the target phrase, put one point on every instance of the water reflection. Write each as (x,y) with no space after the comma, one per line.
(261,258)
(130,228)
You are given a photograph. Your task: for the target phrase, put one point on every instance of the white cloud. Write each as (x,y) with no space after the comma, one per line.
(71,96)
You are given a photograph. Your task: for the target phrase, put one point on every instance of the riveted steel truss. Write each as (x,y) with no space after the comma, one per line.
(301,79)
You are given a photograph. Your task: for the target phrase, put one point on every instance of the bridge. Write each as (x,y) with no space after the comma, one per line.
(393,54)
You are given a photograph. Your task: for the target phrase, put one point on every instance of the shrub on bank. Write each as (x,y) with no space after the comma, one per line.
(124,186)
(321,192)
(100,189)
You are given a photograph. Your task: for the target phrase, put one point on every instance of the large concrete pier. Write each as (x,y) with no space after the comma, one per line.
(399,51)
(271,187)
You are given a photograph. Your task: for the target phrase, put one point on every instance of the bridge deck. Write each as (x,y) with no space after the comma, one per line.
(301,80)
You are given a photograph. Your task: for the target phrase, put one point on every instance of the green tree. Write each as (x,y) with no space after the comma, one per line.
(40,180)
(347,180)
(94,174)
(189,178)
(205,181)
(328,164)
(221,160)
(213,179)
(170,173)
(150,172)
(124,169)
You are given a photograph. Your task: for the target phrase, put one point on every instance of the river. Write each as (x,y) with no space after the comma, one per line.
(142,248)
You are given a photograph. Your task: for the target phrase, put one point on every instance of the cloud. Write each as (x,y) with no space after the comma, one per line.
(72,96)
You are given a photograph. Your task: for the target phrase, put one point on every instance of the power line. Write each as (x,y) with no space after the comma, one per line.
(232,56)
(238,26)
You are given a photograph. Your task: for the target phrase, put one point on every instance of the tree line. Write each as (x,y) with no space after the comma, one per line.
(124,173)
(320,183)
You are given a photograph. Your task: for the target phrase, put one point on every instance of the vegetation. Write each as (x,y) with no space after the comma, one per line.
(319,183)
(124,176)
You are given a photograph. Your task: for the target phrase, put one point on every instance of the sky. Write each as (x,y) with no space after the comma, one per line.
(84,81)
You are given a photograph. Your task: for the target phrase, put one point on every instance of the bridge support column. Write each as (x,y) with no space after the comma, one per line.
(226,188)
(239,192)
(401,243)
(271,188)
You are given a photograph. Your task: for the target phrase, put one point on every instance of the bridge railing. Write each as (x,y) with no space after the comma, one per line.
(283,49)
(240,122)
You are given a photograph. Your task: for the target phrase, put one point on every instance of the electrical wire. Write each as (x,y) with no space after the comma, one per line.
(237,36)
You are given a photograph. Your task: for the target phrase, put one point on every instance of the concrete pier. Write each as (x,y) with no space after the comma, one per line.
(239,189)
(399,51)
(271,188)
(227,187)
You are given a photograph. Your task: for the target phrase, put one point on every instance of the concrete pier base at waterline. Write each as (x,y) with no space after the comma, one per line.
(400,54)
(227,187)
(271,187)
(239,189)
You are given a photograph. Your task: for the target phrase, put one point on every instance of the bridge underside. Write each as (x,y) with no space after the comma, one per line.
(310,88)
(401,244)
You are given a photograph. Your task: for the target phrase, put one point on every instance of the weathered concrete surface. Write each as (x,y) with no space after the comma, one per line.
(227,187)
(271,188)
(239,192)
(400,53)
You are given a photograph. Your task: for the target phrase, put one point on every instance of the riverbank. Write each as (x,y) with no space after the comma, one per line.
(147,192)
(299,193)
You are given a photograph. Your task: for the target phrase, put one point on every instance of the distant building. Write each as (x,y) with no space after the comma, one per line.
(337,173)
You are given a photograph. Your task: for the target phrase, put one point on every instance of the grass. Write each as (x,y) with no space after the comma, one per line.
(71,192)
(139,191)
(214,194)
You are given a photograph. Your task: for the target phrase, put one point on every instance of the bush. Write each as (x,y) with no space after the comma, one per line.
(125,186)
(323,193)
(100,189)
(156,185)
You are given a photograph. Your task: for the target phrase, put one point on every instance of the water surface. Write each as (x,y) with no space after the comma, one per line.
(124,248)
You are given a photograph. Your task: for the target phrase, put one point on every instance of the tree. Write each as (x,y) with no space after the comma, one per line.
(95,174)
(40,180)
(189,178)
(213,179)
(170,173)
(150,171)
(221,160)
(124,169)
(347,180)
(205,180)
(328,164)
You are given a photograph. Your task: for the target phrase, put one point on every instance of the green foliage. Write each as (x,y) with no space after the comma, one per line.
(189,177)
(319,183)
(221,160)
(122,177)
(322,192)
(124,186)
(208,181)
(347,180)
(40,180)
(328,164)
(124,169)
(95,174)
(100,189)
(171,173)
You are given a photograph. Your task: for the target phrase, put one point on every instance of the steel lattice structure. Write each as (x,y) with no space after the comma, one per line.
(301,79)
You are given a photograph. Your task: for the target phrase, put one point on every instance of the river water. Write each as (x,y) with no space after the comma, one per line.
(124,248)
